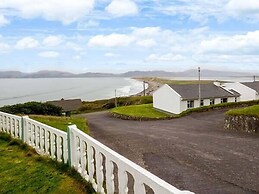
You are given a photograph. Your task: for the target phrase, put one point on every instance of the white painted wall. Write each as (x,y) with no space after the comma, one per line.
(245,92)
(166,99)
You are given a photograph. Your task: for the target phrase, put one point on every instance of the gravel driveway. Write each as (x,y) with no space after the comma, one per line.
(193,152)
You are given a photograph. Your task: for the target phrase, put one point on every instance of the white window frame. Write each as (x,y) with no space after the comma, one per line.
(222,100)
(202,102)
(212,101)
(190,104)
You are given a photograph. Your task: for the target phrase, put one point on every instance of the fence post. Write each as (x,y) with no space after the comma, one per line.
(70,144)
(24,130)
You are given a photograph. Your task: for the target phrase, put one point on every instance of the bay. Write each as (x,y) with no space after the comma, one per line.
(13,91)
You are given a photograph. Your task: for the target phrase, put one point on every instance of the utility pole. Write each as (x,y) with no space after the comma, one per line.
(115,99)
(199,72)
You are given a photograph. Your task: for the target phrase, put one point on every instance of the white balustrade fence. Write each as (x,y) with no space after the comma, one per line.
(46,140)
(11,124)
(108,171)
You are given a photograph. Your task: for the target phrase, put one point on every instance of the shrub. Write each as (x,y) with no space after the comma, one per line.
(36,108)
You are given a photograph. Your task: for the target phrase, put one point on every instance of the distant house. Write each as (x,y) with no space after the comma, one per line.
(248,90)
(67,105)
(178,98)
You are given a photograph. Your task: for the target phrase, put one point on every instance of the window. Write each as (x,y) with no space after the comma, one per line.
(212,101)
(190,104)
(224,100)
(235,99)
(202,103)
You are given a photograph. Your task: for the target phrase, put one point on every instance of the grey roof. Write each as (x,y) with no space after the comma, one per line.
(191,91)
(67,105)
(253,85)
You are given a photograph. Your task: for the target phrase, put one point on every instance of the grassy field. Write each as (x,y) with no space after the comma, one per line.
(100,105)
(248,111)
(140,111)
(23,171)
(177,82)
(62,122)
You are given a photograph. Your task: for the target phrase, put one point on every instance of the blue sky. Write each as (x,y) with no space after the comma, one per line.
(123,35)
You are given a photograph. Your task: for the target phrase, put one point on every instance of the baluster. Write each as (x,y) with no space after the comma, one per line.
(37,138)
(29,133)
(109,176)
(84,161)
(42,139)
(59,149)
(1,122)
(52,145)
(78,157)
(99,172)
(16,130)
(139,187)
(65,150)
(11,127)
(5,124)
(123,181)
(47,141)
(91,167)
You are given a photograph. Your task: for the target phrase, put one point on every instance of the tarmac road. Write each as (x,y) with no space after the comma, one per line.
(192,153)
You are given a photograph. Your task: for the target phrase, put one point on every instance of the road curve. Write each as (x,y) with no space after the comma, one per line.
(193,152)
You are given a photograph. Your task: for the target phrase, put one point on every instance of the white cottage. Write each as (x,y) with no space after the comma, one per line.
(178,98)
(247,90)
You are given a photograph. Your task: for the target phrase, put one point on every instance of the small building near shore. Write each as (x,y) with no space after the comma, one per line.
(67,105)
(178,98)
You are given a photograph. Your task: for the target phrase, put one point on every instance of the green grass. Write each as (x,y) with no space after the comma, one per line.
(140,111)
(23,171)
(248,111)
(62,122)
(101,105)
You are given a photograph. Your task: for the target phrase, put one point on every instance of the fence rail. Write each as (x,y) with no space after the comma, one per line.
(108,171)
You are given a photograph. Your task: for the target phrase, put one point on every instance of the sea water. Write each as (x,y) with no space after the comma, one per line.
(13,91)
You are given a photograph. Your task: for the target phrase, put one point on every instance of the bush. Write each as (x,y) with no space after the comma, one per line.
(36,108)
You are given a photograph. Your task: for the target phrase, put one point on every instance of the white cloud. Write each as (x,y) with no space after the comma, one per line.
(112,40)
(122,8)
(87,24)
(77,57)
(239,8)
(52,41)
(146,43)
(169,57)
(198,10)
(27,43)
(4,47)
(74,46)
(49,54)
(66,11)
(111,55)
(146,31)
(236,44)
(3,21)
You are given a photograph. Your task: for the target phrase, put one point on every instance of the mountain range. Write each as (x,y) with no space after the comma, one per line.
(60,74)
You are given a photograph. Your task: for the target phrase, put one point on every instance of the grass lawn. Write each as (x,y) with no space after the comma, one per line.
(62,122)
(23,171)
(248,111)
(141,111)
